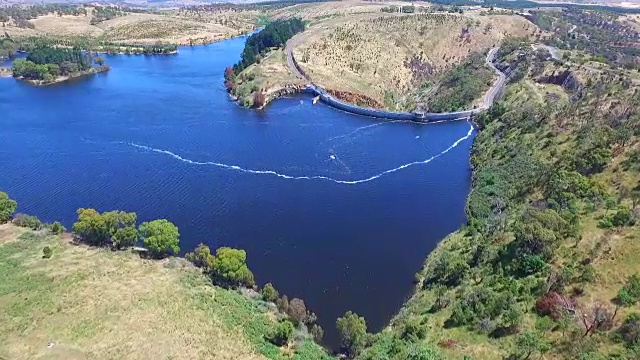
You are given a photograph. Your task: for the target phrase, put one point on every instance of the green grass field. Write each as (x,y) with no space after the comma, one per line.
(88,303)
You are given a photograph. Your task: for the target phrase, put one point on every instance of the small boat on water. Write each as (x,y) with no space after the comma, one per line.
(316,99)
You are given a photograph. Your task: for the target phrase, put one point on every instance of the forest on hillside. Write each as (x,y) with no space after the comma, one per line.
(274,35)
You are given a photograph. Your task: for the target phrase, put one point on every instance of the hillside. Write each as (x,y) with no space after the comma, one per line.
(85,302)
(392,55)
(547,266)
(398,60)
(183,26)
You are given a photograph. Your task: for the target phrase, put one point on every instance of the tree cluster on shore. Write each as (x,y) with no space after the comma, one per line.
(47,64)
(274,35)
(8,48)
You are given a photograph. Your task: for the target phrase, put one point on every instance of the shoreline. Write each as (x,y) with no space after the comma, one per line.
(62,79)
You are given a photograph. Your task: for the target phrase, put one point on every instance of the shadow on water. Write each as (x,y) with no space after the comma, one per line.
(159,136)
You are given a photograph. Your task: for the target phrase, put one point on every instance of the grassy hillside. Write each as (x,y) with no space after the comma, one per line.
(96,303)
(134,26)
(547,265)
(399,59)
(370,54)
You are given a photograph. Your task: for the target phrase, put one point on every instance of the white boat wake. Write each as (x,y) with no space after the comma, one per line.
(313,177)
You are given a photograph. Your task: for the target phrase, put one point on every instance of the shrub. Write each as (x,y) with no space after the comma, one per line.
(269,293)
(27,221)
(553,305)
(317,333)
(7,207)
(623,217)
(57,228)
(282,333)
(413,330)
(531,264)
(229,268)
(297,310)
(283,304)
(161,237)
(46,252)
(201,257)
(629,295)
(124,237)
(629,331)
(353,333)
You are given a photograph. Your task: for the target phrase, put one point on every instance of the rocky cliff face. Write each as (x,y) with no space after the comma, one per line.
(355,99)
(289,89)
(567,79)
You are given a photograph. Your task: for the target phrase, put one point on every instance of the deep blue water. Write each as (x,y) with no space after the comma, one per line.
(309,192)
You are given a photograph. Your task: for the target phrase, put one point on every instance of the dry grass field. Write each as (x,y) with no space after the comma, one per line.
(86,303)
(382,55)
(172,27)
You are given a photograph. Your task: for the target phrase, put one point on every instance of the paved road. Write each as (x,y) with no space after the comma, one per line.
(290,61)
(487,101)
(498,85)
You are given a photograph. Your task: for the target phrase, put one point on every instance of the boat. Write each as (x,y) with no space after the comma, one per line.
(316,99)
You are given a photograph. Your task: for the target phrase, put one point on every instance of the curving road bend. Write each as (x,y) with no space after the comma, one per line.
(487,101)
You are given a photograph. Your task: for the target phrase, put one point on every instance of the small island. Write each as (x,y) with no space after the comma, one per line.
(45,66)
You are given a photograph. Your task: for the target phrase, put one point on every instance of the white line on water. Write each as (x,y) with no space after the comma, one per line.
(314,177)
(384,122)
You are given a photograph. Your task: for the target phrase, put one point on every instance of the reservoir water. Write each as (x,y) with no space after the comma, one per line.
(336,209)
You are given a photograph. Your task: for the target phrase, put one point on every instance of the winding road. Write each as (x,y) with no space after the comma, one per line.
(487,101)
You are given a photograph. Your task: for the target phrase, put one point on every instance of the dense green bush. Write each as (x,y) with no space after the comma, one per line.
(229,268)
(201,257)
(629,295)
(57,228)
(269,293)
(7,207)
(282,333)
(161,237)
(116,228)
(462,85)
(46,252)
(27,221)
(353,333)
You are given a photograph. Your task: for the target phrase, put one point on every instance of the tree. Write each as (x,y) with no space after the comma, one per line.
(269,293)
(201,257)
(57,228)
(317,333)
(229,268)
(449,269)
(530,342)
(115,228)
(629,295)
(124,237)
(7,207)
(353,333)
(99,60)
(161,237)
(297,310)
(91,227)
(283,304)
(282,333)
(54,69)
